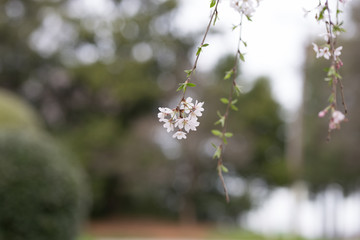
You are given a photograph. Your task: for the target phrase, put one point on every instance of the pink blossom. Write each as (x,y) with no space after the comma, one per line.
(332,125)
(338,117)
(322,113)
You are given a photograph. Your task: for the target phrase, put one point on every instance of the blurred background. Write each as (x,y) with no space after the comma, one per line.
(83,155)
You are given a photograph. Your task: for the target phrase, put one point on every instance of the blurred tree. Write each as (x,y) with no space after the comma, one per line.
(95,71)
(90,69)
(258,130)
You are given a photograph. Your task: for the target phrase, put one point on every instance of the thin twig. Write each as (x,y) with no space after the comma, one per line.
(342,96)
(220,162)
(213,14)
(227,111)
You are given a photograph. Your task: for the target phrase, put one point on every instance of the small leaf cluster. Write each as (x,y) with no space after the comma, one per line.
(184,85)
(200,48)
(332,74)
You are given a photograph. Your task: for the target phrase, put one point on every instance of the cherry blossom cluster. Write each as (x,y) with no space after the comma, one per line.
(325,52)
(329,16)
(336,118)
(246,7)
(181,119)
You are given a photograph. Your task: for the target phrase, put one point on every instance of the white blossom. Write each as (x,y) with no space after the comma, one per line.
(327,36)
(337,52)
(246,7)
(179,135)
(164,112)
(169,125)
(183,118)
(186,105)
(191,124)
(198,108)
(326,52)
(318,51)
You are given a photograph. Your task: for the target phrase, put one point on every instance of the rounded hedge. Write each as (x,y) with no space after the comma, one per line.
(16,113)
(43,195)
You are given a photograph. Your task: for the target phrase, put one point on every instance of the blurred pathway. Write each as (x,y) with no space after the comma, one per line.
(147,229)
(148,239)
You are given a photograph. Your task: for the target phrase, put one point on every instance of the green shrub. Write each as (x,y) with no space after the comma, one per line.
(43,195)
(16,113)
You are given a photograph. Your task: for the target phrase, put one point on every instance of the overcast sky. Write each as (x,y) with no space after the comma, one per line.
(276,39)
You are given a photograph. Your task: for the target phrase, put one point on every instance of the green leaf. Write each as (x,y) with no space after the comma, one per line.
(205,45)
(217,153)
(233,107)
(184,85)
(224,140)
(242,58)
(212,3)
(216,132)
(237,90)
(198,51)
(212,144)
(224,100)
(228,134)
(248,18)
(331,71)
(224,169)
(337,28)
(234,27)
(215,18)
(181,87)
(190,84)
(228,74)
(220,121)
(321,14)
(245,44)
(234,101)
(188,72)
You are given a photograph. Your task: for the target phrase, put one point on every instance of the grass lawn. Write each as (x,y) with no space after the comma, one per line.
(86,237)
(223,234)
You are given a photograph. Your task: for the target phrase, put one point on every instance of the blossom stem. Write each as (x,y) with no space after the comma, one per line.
(220,163)
(342,96)
(213,14)
(335,64)
(227,111)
